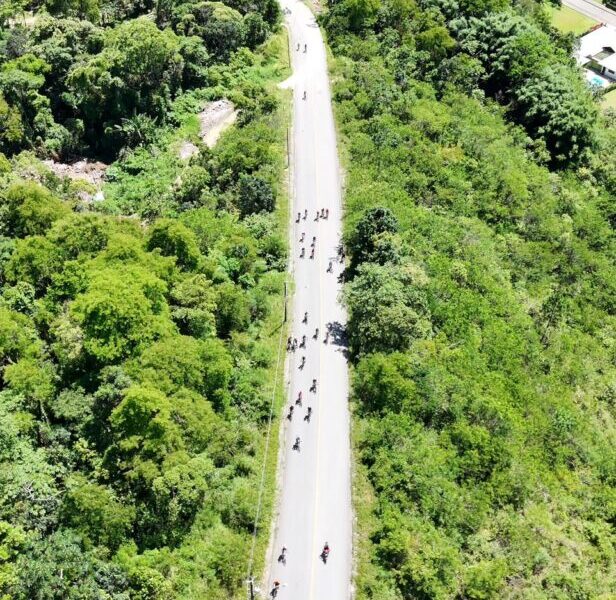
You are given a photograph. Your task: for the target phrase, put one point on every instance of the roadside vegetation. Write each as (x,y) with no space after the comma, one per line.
(138,334)
(608,100)
(481,289)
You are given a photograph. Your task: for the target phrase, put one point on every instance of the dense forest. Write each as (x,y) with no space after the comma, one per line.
(137,332)
(481,294)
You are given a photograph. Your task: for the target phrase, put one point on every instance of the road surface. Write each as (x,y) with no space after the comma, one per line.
(593,10)
(315,499)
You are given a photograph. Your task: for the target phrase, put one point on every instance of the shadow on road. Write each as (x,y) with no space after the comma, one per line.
(338,334)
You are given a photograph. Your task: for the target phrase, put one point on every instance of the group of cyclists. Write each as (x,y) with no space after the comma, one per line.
(292,345)
(282,558)
(305,50)
(320,214)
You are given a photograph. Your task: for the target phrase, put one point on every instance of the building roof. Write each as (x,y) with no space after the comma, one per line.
(599,45)
(609,62)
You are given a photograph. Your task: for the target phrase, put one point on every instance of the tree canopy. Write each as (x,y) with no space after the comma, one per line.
(479,226)
(136,344)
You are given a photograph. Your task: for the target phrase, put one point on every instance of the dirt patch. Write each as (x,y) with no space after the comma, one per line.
(213,119)
(87,170)
(187,149)
(26,19)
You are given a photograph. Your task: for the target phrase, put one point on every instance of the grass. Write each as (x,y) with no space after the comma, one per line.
(567,20)
(609,100)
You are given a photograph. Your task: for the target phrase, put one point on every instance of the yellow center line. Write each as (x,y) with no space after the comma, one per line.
(319,382)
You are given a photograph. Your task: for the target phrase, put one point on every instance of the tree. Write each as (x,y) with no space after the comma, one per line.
(81,234)
(558,107)
(387,308)
(363,242)
(221,27)
(120,312)
(17,336)
(509,48)
(13,541)
(177,496)
(256,29)
(269,10)
(35,383)
(361,13)
(30,209)
(82,9)
(233,310)
(61,43)
(139,70)
(95,511)
(179,361)
(144,434)
(21,80)
(255,195)
(148,584)
(35,260)
(60,567)
(194,305)
(138,130)
(384,382)
(174,239)
(9,9)
(437,42)
(11,128)
(196,62)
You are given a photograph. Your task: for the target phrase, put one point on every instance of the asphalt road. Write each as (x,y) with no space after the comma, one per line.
(315,499)
(593,10)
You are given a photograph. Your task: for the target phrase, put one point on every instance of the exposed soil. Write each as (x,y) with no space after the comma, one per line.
(214,119)
(87,170)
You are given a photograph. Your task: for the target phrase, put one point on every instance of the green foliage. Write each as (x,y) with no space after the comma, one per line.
(33,261)
(523,65)
(145,432)
(388,308)
(27,208)
(11,127)
(368,232)
(194,305)
(60,566)
(120,312)
(82,9)
(11,9)
(135,333)
(221,27)
(93,510)
(480,334)
(68,86)
(254,195)
(175,239)
(558,109)
(138,71)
